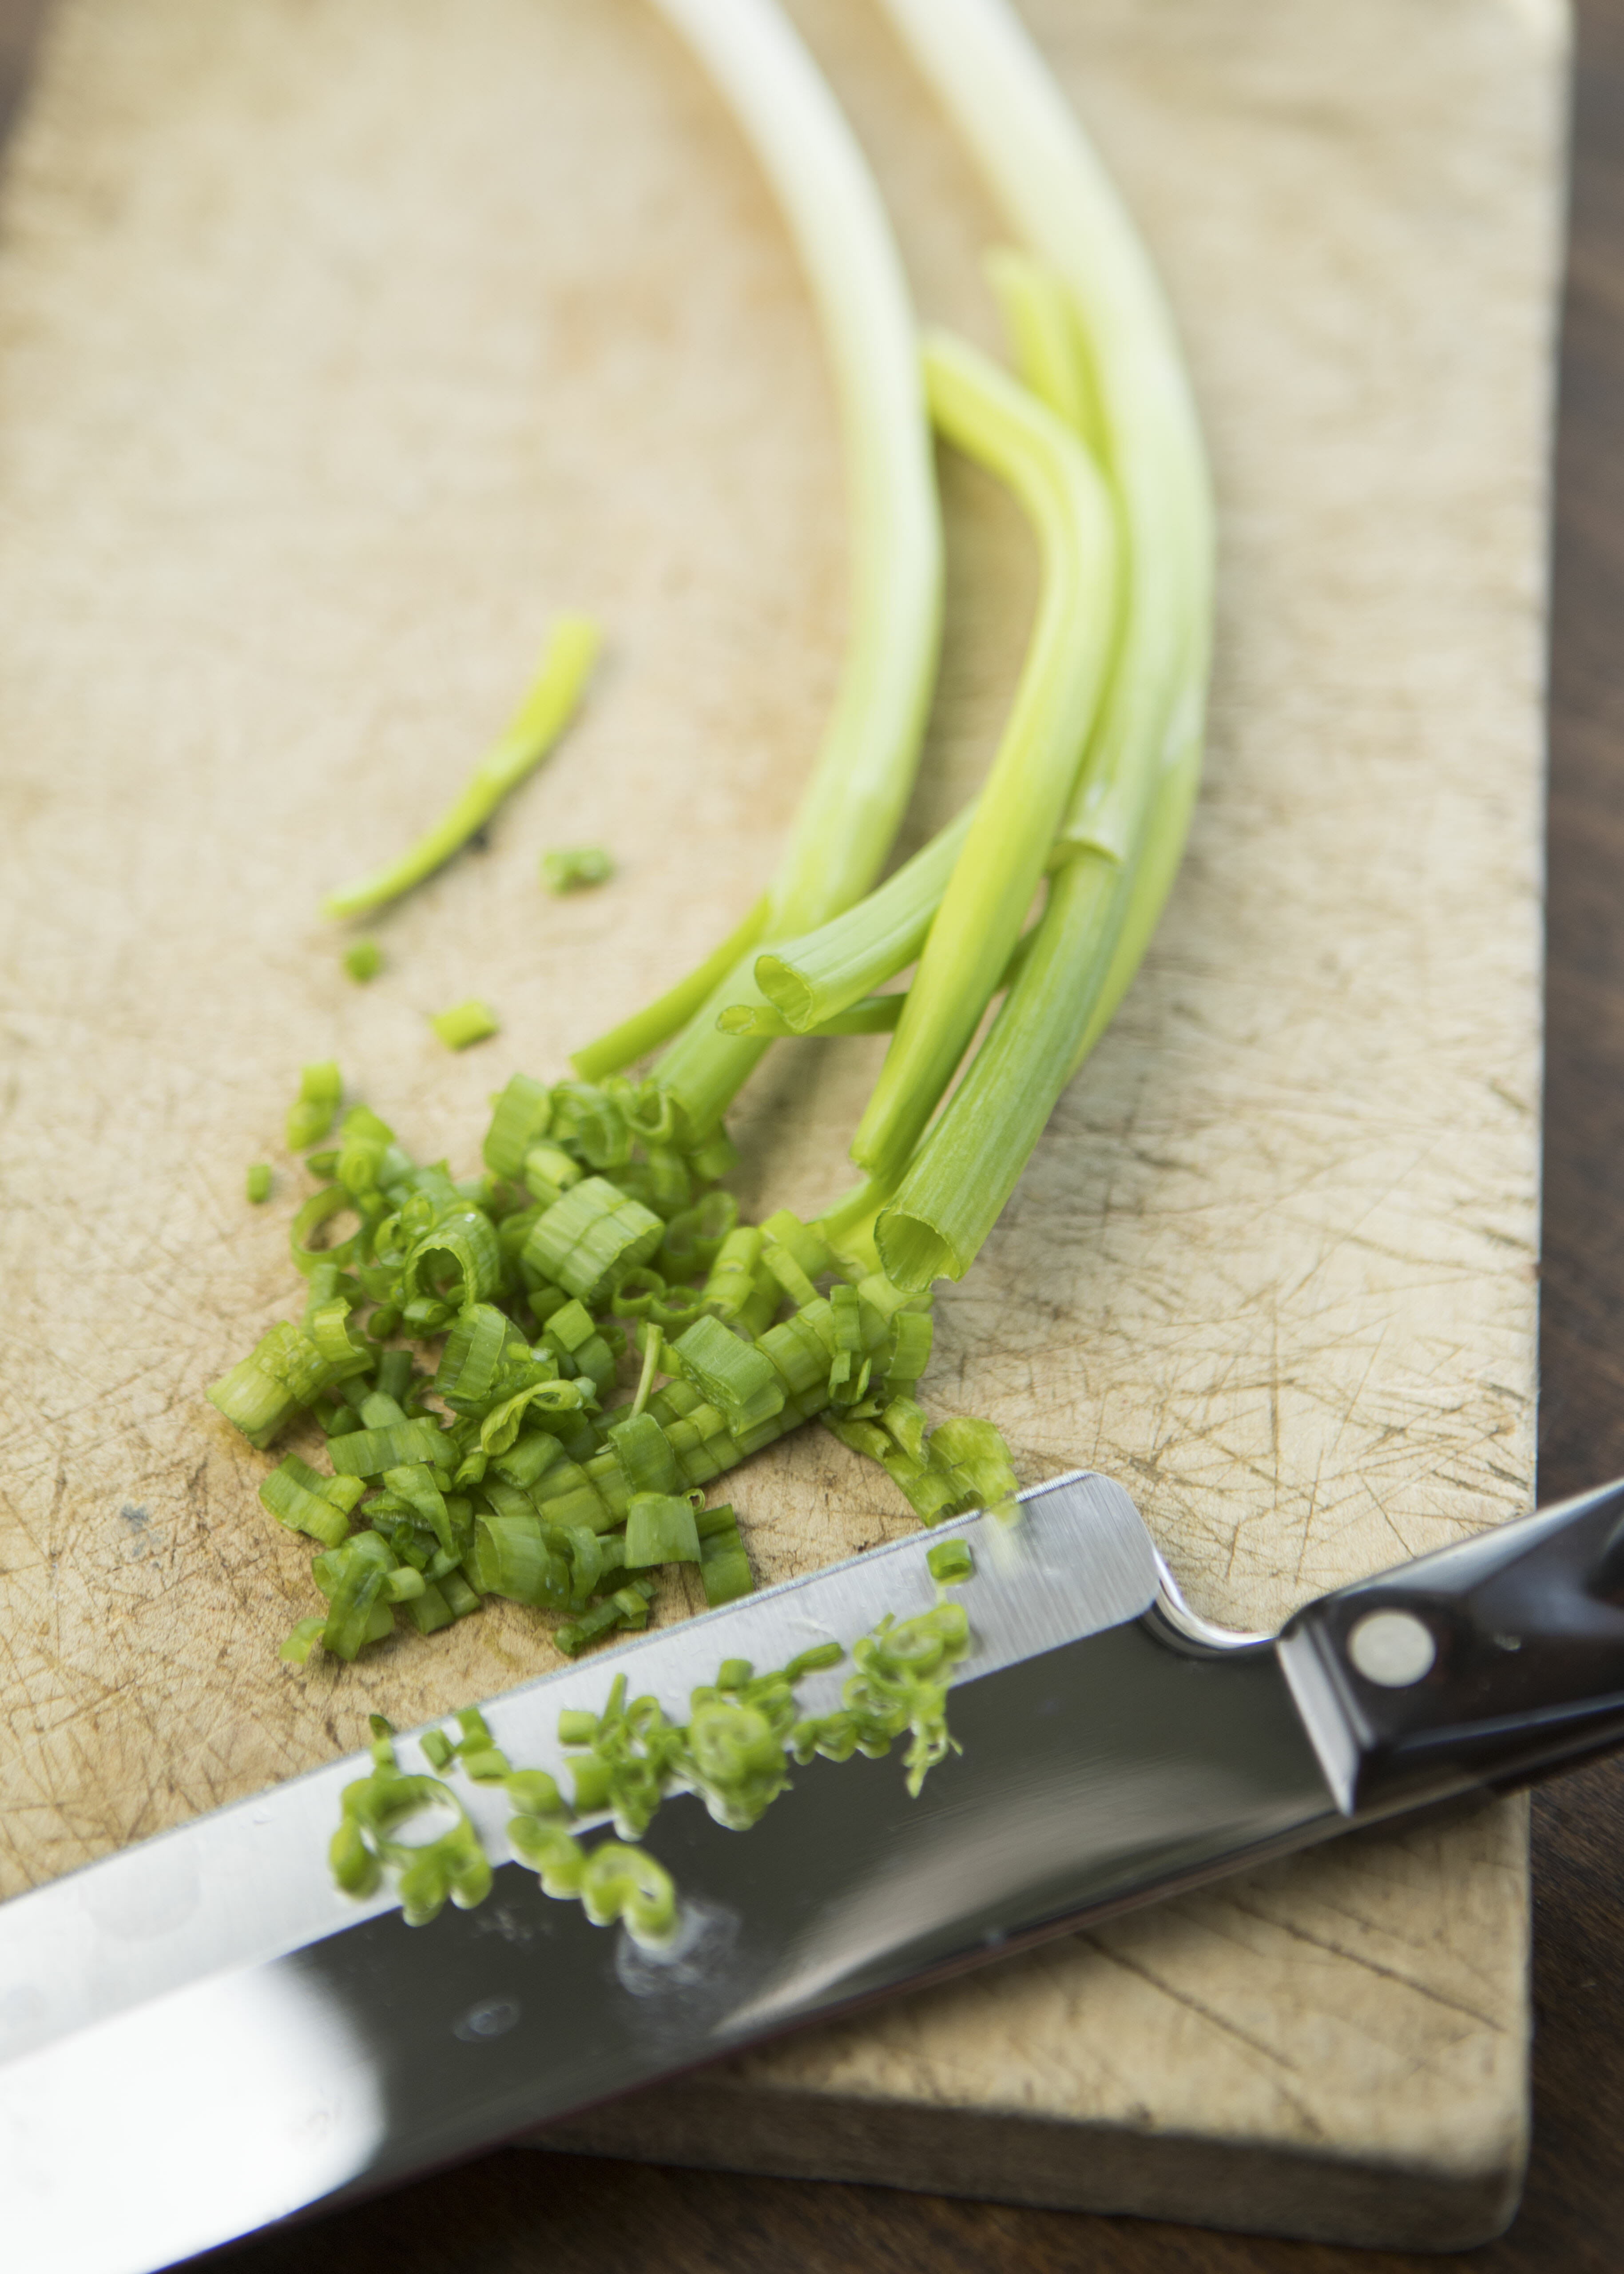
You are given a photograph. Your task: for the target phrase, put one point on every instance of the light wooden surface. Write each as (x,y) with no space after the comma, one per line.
(333,357)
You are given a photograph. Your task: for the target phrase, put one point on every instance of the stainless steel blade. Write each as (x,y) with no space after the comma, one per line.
(228,2040)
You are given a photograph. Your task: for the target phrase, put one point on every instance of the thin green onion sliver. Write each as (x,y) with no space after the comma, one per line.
(1008,430)
(571,649)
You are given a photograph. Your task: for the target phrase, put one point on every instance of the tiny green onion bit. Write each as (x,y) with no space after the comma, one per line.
(258,1182)
(364,960)
(313,1111)
(573,869)
(949,1560)
(470,1022)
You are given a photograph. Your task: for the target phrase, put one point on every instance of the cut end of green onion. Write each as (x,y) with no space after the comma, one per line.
(258,1182)
(787,991)
(364,960)
(470,1022)
(914,1253)
(575,868)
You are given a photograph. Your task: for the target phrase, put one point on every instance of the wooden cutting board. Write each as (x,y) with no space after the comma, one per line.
(343,345)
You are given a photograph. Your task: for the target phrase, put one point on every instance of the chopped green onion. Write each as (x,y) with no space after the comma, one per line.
(313,1111)
(643,1451)
(576,869)
(292,1501)
(466,1240)
(737,1758)
(736,1377)
(470,1022)
(377,1809)
(512,1557)
(297,1649)
(572,647)
(368,1452)
(732,1282)
(626,1607)
(258,1182)
(261,1392)
(472,1352)
(523,1113)
(949,1560)
(724,1571)
(364,960)
(534,1793)
(590,1238)
(621,1882)
(351,1576)
(660,1529)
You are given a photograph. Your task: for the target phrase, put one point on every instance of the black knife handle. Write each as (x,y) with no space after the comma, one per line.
(1491,1662)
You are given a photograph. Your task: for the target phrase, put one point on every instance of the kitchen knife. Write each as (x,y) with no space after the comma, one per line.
(200,2036)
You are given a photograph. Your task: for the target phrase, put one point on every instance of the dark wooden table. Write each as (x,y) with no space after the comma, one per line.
(516,2213)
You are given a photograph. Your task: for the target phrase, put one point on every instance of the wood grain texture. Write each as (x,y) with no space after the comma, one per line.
(1282,1301)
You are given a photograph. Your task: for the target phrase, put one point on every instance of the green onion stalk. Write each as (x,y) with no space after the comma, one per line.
(1092,788)
(1125,831)
(861,782)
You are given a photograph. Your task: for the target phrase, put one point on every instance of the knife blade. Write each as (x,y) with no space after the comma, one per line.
(200,2036)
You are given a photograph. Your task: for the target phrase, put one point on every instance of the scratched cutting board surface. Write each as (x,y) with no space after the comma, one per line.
(342,346)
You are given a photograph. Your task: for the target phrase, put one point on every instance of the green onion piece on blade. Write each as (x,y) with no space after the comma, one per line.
(470,1022)
(572,647)
(949,1560)
(368,1845)
(575,870)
